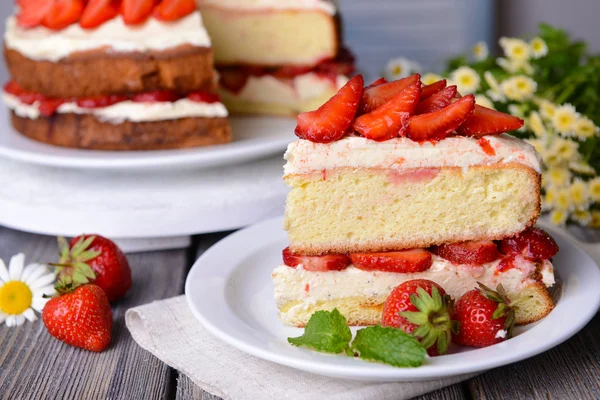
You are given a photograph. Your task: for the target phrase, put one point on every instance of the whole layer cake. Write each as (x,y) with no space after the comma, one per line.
(276,57)
(130,75)
(398,181)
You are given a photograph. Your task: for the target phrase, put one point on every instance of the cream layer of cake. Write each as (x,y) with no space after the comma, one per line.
(40,43)
(267,94)
(360,295)
(126,110)
(358,195)
(270,36)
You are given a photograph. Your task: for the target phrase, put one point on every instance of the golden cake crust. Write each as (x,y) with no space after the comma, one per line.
(87,132)
(183,69)
(393,245)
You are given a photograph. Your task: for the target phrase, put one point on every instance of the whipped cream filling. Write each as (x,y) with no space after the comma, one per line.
(304,156)
(269,89)
(261,5)
(40,43)
(126,110)
(292,284)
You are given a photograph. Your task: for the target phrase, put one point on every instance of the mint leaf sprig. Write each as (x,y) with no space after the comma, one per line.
(328,331)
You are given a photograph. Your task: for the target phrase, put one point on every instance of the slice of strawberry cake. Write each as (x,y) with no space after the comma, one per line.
(113,75)
(397,181)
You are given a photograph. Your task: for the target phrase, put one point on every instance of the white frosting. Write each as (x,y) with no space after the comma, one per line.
(299,284)
(304,156)
(269,89)
(261,5)
(126,110)
(501,334)
(40,43)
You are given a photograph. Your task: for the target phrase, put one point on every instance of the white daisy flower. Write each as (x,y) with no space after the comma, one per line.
(537,125)
(430,78)
(547,109)
(565,150)
(515,49)
(595,222)
(559,217)
(495,92)
(400,67)
(22,289)
(585,128)
(538,47)
(594,189)
(583,168)
(466,80)
(564,119)
(519,88)
(579,194)
(483,101)
(558,177)
(480,51)
(582,217)
(514,66)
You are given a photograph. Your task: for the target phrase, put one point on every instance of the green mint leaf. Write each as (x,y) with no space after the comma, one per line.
(388,345)
(325,331)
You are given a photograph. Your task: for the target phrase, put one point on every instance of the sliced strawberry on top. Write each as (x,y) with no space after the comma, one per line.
(405,261)
(100,101)
(378,82)
(172,10)
(389,120)
(485,121)
(376,96)
(437,101)
(136,11)
(439,124)
(204,97)
(532,243)
(331,121)
(97,12)
(431,89)
(156,96)
(472,253)
(32,12)
(63,13)
(330,262)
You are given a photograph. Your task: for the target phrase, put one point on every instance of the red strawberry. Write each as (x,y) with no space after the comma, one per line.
(204,97)
(136,11)
(95,259)
(172,10)
(233,79)
(378,82)
(473,253)
(376,96)
(485,121)
(485,317)
(100,101)
(97,12)
(532,243)
(423,308)
(32,12)
(437,101)
(431,89)
(390,119)
(291,71)
(63,13)
(405,261)
(80,317)
(155,96)
(24,96)
(48,106)
(331,121)
(439,124)
(330,262)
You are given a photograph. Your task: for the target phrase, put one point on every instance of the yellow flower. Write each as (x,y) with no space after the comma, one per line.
(563,200)
(519,88)
(581,168)
(579,194)
(514,66)
(466,80)
(537,125)
(564,119)
(559,177)
(558,217)
(538,47)
(547,109)
(401,67)
(595,221)
(483,101)
(594,189)
(515,49)
(565,150)
(480,51)
(495,92)
(429,78)
(583,217)
(585,128)
(549,198)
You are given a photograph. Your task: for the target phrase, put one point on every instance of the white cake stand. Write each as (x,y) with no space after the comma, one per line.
(142,210)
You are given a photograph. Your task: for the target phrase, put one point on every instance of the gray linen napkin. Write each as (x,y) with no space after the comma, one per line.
(168,330)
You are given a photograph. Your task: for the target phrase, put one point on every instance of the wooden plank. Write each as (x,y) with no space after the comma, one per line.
(569,371)
(35,365)
(454,392)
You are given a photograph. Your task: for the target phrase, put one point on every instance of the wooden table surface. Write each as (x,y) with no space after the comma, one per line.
(34,365)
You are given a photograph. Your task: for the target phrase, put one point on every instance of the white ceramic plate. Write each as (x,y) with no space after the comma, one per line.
(253,138)
(229,290)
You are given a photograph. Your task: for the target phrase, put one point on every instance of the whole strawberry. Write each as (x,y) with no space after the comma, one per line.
(95,259)
(423,308)
(485,317)
(79,317)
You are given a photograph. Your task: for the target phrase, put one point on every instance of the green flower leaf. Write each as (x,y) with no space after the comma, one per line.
(388,345)
(325,331)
